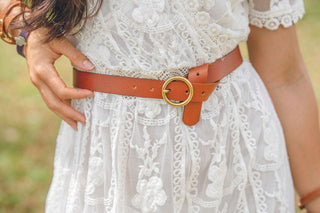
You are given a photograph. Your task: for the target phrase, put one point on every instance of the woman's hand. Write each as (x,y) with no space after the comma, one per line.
(40,59)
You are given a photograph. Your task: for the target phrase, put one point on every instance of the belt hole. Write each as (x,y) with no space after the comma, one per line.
(203,92)
(151,89)
(187,92)
(198,74)
(134,87)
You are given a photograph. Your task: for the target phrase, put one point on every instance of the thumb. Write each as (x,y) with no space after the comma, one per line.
(79,60)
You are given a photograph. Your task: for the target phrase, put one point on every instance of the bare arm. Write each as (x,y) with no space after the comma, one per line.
(277,58)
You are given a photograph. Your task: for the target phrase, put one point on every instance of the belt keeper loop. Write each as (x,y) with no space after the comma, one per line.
(204,79)
(192,111)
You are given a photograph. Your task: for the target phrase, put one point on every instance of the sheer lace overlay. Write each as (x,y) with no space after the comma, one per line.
(136,155)
(284,12)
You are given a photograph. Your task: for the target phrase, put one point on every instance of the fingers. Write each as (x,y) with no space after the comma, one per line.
(65,47)
(40,60)
(69,121)
(50,77)
(57,95)
(62,108)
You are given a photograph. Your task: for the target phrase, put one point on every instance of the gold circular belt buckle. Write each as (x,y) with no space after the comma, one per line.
(165,91)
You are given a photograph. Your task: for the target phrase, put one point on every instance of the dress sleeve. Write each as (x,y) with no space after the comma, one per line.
(273,13)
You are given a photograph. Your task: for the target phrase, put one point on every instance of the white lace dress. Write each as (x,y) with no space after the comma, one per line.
(136,154)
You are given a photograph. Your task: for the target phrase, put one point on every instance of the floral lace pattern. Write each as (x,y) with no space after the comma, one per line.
(150,195)
(273,21)
(147,12)
(136,155)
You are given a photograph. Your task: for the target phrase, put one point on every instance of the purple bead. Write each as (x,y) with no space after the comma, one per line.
(21,42)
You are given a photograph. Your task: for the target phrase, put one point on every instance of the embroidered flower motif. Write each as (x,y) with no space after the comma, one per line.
(208,4)
(214,29)
(102,51)
(150,195)
(272,24)
(95,175)
(257,22)
(202,18)
(222,38)
(192,5)
(148,11)
(286,21)
(216,175)
(150,108)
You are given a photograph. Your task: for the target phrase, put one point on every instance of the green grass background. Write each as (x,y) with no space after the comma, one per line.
(28,129)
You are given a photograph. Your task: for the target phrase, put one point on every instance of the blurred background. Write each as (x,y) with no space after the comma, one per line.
(28,129)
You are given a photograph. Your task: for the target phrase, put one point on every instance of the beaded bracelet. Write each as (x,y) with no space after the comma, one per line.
(6,19)
(21,42)
(309,197)
(4,23)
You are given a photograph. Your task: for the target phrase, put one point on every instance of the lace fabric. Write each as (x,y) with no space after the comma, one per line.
(136,155)
(283,13)
(155,38)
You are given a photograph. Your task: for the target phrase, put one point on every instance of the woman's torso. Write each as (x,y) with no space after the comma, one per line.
(160,38)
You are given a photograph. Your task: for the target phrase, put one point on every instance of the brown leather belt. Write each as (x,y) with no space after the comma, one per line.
(189,91)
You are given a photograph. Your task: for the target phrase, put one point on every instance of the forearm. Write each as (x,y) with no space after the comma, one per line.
(289,85)
(297,110)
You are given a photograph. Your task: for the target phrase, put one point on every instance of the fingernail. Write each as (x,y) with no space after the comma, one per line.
(88,65)
(89,93)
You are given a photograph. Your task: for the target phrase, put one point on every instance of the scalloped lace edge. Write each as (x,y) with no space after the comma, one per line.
(274,20)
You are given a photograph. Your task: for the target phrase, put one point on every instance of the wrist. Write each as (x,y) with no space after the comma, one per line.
(311,201)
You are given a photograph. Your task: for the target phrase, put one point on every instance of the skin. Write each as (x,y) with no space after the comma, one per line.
(274,54)
(276,57)
(40,59)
